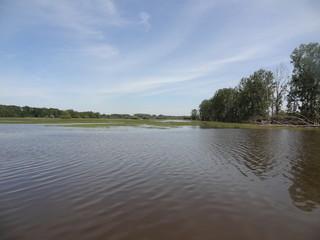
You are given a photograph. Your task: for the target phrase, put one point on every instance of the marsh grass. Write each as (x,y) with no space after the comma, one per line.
(145,123)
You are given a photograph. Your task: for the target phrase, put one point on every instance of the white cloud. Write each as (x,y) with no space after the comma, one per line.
(99,51)
(163,79)
(95,54)
(184,24)
(145,19)
(110,7)
(86,18)
(245,54)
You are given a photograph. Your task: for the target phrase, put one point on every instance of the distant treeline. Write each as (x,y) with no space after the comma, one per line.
(262,94)
(16,111)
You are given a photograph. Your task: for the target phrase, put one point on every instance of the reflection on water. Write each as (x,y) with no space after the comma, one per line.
(185,183)
(305,189)
(255,152)
(265,153)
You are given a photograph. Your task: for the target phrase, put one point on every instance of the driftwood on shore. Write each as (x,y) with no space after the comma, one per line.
(287,121)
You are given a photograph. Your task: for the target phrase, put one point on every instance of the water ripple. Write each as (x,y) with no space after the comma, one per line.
(152,184)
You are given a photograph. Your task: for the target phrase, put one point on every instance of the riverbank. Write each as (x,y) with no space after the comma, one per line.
(148,123)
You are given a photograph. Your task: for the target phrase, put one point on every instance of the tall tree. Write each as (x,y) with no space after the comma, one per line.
(280,86)
(194,114)
(205,110)
(255,94)
(225,105)
(305,83)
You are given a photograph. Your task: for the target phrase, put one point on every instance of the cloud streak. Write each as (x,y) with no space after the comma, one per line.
(145,20)
(110,53)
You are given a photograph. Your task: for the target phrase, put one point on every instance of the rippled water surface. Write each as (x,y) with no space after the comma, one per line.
(133,183)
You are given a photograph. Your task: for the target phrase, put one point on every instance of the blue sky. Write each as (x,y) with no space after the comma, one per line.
(142,56)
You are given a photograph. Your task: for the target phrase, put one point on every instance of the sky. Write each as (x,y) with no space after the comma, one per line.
(142,56)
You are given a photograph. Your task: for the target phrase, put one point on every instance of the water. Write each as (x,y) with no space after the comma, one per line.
(134,183)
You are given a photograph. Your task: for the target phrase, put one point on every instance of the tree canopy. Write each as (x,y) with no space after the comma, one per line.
(263,93)
(305,84)
(34,112)
(252,97)
(255,94)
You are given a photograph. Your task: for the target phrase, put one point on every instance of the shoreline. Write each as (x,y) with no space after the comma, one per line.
(153,123)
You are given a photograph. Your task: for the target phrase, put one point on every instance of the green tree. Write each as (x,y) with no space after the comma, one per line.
(224,105)
(26,111)
(142,115)
(305,83)
(205,110)
(65,115)
(255,95)
(194,114)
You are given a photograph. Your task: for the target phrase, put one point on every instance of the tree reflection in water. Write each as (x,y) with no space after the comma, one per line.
(305,190)
(259,152)
(266,154)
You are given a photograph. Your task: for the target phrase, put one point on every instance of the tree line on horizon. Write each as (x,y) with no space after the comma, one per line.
(26,111)
(34,112)
(262,94)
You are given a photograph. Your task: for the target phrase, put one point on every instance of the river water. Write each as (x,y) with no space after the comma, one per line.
(180,183)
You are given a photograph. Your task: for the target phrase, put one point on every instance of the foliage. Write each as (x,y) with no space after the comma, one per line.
(251,98)
(263,91)
(224,105)
(143,116)
(305,84)
(194,114)
(205,110)
(255,95)
(65,115)
(16,111)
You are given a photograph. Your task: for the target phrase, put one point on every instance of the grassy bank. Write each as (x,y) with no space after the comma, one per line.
(93,123)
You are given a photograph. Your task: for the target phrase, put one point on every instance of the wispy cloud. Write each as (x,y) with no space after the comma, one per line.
(177,32)
(175,75)
(145,19)
(92,50)
(98,51)
(83,18)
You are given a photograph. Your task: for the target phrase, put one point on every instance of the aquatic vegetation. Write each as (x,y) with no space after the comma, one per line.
(144,123)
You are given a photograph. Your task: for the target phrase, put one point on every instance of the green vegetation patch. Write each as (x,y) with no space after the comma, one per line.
(144,123)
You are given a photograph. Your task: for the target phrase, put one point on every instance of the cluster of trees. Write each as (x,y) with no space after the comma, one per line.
(263,93)
(16,111)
